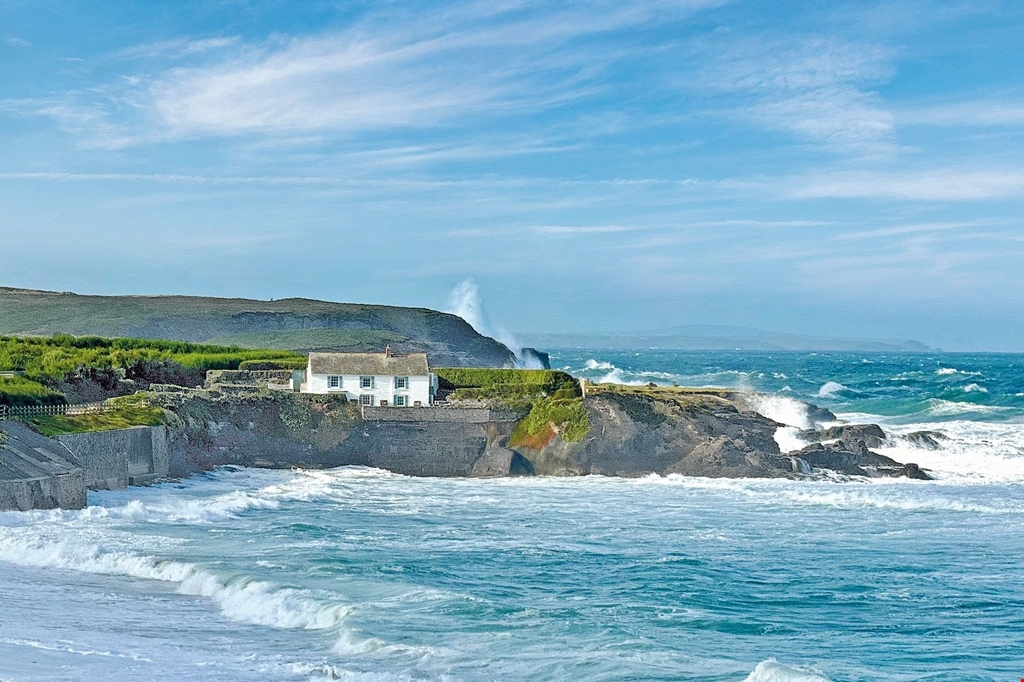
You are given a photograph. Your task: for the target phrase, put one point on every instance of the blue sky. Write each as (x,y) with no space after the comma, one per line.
(828,168)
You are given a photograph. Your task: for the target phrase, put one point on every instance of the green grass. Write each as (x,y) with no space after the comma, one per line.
(681,396)
(128,411)
(16,391)
(305,324)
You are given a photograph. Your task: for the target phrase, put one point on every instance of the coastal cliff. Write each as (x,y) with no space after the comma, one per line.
(629,431)
(614,431)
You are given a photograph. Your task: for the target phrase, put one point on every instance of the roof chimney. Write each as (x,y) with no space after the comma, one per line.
(387,351)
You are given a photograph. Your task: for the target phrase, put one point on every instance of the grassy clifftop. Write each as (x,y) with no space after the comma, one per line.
(287,324)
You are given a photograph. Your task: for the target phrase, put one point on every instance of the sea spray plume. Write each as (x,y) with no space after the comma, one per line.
(465,301)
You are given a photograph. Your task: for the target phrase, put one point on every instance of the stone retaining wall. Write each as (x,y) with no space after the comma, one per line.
(37,472)
(447,415)
(119,458)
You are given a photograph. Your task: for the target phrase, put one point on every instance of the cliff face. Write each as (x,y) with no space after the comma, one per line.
(287,324)
(634,432)
(272,429)
(631,434)
(635,435)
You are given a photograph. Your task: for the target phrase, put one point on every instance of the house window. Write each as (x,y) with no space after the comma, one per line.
(366,399)
(401,382)
(365,382)
(333,382)
(401,401)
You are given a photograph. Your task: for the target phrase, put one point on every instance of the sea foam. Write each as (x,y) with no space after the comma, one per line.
(240,599)
(830,388)
(773,671)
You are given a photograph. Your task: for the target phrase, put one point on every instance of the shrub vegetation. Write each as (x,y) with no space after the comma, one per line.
(44,363)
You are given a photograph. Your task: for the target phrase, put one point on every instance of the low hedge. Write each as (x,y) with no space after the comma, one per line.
(546,380)
(263,365)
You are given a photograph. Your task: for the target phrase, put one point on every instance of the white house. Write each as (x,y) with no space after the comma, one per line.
(378,379)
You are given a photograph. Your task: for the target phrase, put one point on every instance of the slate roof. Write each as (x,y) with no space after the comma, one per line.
(369,364)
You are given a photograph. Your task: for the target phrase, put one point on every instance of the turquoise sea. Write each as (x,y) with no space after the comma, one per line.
(357,574)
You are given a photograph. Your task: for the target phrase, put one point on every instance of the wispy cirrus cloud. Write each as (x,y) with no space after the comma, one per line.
(928,185)
(982,111)
(414,72)
(821,89)
(179,47)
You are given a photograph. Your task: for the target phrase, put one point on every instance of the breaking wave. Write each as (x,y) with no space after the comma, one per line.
(773,671)
(785,410)
(240,599)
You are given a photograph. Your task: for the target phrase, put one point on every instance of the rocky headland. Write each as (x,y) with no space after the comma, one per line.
(629,431)
(616,431)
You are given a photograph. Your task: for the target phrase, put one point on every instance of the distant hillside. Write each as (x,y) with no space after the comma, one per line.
(720,337)
(287,324)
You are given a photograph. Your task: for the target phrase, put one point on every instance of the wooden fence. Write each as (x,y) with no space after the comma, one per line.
(7,411)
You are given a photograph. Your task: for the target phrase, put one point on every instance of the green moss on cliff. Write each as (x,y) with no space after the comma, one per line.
(548,417)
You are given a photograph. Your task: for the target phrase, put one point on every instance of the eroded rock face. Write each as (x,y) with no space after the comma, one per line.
(633,435)
(709,435)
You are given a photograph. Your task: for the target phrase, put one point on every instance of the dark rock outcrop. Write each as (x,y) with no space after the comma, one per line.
(856,460)
(531,357)
(643,431)
(633,435)
(930,440)
(849,435)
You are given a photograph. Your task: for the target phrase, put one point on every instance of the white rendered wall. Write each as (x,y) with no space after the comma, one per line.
(383,388)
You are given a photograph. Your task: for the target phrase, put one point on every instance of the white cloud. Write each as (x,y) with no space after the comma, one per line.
(390,70)
(936,185)
(819,89)
(177,48)
(981,112)
(15,41)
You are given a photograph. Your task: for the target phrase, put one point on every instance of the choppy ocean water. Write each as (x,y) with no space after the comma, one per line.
(357,574)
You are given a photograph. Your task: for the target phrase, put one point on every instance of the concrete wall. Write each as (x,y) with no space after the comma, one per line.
(37,472)
(449,415)
(421,448)
(116,459)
